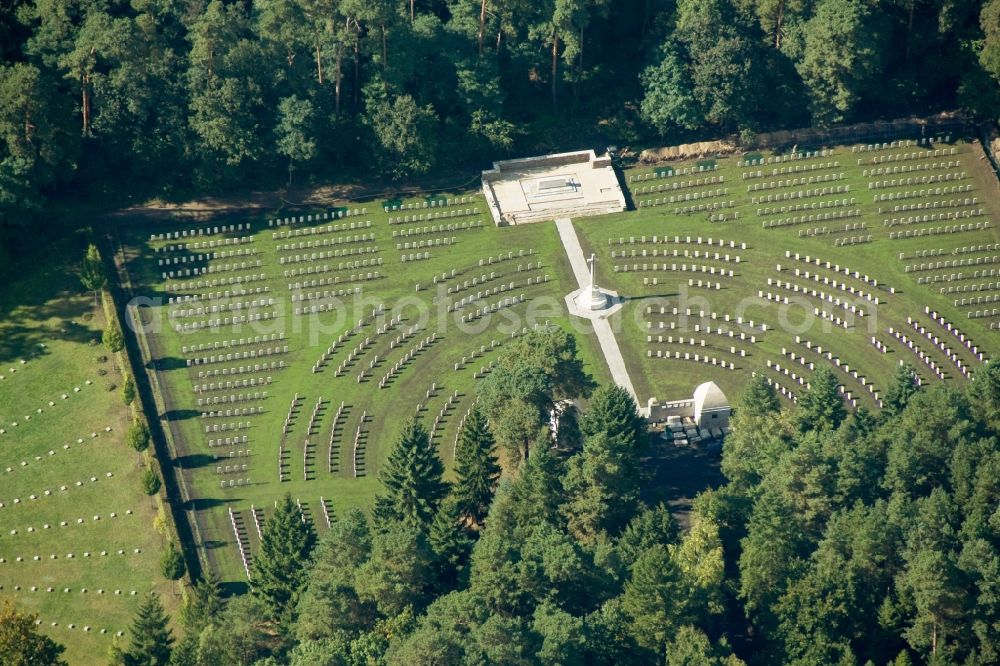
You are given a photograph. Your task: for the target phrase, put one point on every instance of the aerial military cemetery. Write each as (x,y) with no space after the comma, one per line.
(495,333)
(286,349)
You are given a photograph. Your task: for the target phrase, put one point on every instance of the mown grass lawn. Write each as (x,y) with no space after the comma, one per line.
(46,322)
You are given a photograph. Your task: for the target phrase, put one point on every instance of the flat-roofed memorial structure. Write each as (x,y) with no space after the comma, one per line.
(533,189)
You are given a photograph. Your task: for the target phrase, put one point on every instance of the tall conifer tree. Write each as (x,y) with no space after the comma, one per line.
(151,638)
(412,478)
(476,468)
(280,566)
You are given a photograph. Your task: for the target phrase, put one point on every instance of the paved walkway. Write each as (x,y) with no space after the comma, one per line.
(605,336)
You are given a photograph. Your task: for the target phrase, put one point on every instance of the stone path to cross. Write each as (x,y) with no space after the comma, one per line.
(605,336)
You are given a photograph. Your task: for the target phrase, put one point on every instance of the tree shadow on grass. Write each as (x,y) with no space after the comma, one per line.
(29,320)
(206,503)
(166,363)
(194,461)
(181,414)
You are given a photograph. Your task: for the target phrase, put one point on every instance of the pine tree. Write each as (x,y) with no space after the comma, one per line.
(280,566)
(900,390)
(21,645)
(150,481)
(613,411)
(92,274)
(759,398)
(821,407)
(984,391)
(537,495)
(112,337)
(151,638)
(172,562)
(412,478)
(654,598)
(128,390)
(451,545)
(138,435)
(476,468)
(602,489)
(204,603)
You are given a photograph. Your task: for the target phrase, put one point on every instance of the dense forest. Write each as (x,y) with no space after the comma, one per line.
(837,539)
(117,100)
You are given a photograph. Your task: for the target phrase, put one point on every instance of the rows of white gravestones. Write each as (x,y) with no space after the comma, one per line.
(678,184)
(179,255)
(795,185)
(455,399)
(368,355)
(313,435)
(699,201)
(307,257)
(845,272)
(336,273)
(777,384)
(69,450)
(400,365)
(241,536)
(14,423)
(944,204)
(451,227)
(484,278)
(970,275)
(495,264)
(868,289)
(335,438)
(671,172)
(800,167)
(396,343)
(482,296)
(458,429)
(359,447)
(230,376)
(42,526)
(696,357)
(441,416)
(670,334)
(248,526)
(771,211)
(841,365)
(827,298)
(31,561)
(941,344)
(941,193)
(310,441)
(924,141)
(341,341)
(873,293)
(634,253)
(442,214)
(790,160)
(676,247)
(48,493)
(953,330)
(794,376)
(316,239)
(798,182)
(284,449)
(905,342)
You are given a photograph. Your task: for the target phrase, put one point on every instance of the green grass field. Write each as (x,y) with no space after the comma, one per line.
(66,461)
(304,471)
